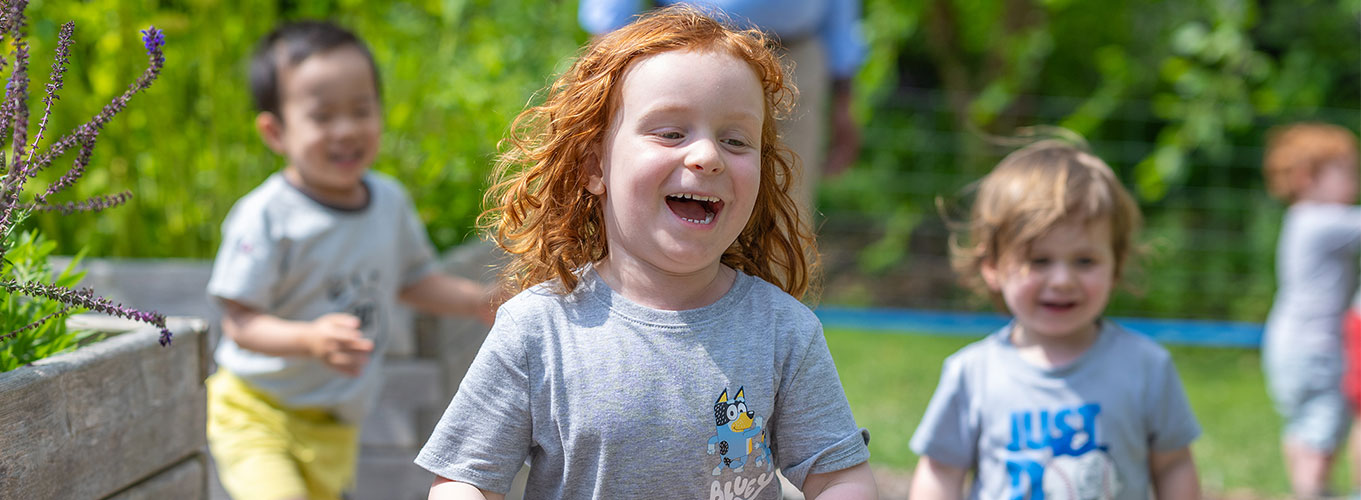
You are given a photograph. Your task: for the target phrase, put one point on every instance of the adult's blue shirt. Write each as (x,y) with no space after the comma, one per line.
(834,21)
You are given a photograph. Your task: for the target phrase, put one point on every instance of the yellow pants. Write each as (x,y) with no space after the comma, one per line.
(265,451)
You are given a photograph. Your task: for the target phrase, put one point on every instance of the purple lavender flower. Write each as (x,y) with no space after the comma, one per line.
(86,298)
(59,61)
(154,40)
(95,203)
(86,134)
(25,161)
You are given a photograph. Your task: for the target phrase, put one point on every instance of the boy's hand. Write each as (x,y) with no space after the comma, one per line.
(337,341)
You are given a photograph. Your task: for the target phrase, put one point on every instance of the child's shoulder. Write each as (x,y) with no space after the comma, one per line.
(272,187)
(1309,212)
(996,342)
(538,296)
(382,182)
(273,196)
(1136,347)
(980,353)
(763,295)
(538,306)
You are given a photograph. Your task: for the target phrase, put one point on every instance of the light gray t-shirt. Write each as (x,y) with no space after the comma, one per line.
(290,256)
(1084,430)
(611,399)
(1316,276)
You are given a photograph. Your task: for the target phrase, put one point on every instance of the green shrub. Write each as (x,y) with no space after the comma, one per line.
(28,262)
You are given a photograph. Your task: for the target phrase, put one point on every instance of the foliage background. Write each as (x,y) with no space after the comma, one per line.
(454,74)
(1176,95)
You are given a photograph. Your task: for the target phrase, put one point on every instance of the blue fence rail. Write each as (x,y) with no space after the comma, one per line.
(970,324)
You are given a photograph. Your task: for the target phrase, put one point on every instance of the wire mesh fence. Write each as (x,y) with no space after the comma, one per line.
(1209,238)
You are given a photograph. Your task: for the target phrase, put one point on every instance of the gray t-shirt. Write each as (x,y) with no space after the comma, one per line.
(611,399)
(1083,430)
(1316,276)
(290,256)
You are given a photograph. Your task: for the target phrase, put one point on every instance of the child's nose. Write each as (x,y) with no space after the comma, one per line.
(703,156)
(348,126)
(1062,274)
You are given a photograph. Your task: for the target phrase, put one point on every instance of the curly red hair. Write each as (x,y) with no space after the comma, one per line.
(540,211)
(1296,152)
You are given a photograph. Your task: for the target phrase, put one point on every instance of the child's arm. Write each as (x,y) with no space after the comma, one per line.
(334,338)
(441,293)
(448,489)
(1174,474)
(936,480)
(851,483)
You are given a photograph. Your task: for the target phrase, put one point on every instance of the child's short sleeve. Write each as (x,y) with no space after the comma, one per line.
(813,428)
(1344,228)
(485,434)
(248,263)
(418,255)
(948,432)
(1168,417)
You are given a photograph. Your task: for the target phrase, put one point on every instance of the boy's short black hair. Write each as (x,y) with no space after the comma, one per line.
(290,44)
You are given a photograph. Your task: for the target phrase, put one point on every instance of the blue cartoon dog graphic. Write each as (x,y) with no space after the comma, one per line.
(739,434)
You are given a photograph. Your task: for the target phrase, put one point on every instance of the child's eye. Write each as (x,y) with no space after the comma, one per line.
(1039,261)
(736,143)
(1086,261)
(320,117)
(671,135)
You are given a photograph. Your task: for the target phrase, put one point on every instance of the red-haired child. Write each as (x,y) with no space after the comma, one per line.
(656,349)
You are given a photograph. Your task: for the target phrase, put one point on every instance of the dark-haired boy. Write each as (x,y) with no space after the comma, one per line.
(311,265)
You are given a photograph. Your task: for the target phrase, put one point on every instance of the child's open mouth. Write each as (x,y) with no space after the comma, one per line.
(346,158)
(694,208)
(1058,306)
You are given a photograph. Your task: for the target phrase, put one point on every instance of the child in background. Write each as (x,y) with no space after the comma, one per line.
(1313,167)
(655,350)
(311,264)
(1060,403)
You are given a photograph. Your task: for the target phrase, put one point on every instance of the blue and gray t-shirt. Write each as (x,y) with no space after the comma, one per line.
(610,399)
(1084,430)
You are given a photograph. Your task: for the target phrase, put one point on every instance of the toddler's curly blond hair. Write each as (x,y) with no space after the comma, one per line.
(1028,193)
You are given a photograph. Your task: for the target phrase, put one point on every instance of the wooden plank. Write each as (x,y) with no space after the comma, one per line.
(95,421)
(187,480)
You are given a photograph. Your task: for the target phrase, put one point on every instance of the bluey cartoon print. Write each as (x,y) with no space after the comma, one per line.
(740,435)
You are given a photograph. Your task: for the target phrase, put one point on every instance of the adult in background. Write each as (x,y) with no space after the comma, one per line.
(821,39)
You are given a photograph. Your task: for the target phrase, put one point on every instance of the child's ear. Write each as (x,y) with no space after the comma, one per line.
(595,174)
(988,269)
(271,130)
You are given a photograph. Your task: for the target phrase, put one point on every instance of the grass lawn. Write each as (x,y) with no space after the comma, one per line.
(890,377)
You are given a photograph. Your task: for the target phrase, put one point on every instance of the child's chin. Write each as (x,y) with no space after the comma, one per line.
(1067,328)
